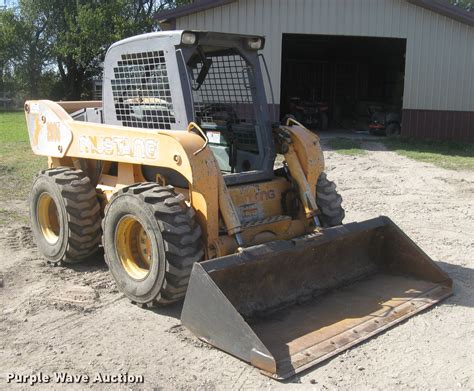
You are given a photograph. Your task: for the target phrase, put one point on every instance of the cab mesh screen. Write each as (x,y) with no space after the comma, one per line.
(225,91)
(141,91)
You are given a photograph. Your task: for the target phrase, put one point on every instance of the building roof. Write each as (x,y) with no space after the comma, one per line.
(439,6)
(195,6)
(446,9)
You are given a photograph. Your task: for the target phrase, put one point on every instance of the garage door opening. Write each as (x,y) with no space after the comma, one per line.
(332,82)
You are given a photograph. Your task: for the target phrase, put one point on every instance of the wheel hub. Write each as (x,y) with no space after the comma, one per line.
(133,247)
(48,218)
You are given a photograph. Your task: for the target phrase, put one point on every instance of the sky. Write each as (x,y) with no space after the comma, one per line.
(8,3)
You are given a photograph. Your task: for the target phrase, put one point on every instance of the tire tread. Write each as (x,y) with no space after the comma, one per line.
(181,235)
(329,202)
(82,210)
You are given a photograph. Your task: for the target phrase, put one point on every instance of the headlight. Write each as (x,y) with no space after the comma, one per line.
(188,38)
(254,43)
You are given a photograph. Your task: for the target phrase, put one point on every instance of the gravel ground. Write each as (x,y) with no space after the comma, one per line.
(73,320)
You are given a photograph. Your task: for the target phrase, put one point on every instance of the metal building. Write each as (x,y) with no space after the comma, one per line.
(414,54)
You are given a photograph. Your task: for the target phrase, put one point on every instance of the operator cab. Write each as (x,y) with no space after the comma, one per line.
(222,82)
(167,79)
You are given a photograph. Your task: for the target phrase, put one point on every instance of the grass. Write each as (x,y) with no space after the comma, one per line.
(13,127)
(18,164)
(450,155)
(346,146)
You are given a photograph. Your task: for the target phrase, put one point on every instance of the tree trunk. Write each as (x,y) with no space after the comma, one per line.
(72,77)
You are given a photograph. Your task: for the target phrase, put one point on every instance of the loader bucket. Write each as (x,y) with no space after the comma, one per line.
(287,305)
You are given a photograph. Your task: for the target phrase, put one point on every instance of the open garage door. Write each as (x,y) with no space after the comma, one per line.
(330,81)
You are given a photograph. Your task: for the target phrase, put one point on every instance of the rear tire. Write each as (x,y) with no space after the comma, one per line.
(329,202)
(65,215)
(393,130)
(151,241)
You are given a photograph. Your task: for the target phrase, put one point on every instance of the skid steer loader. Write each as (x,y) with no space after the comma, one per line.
(174,171)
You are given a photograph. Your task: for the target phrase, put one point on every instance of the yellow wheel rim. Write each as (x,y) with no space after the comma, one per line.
(48,218)
(133,247)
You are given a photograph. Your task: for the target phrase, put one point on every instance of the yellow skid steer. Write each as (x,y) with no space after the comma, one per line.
(174,174)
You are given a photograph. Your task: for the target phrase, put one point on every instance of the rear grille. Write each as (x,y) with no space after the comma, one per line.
(141,91)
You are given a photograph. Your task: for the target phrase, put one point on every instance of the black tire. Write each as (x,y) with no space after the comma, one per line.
(69,230)
(174,243)
(393,130)
(329,202)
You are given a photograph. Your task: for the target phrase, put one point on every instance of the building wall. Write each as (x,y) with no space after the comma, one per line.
(440,51)
(438,124)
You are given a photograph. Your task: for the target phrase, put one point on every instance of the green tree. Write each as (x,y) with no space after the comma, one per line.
(70,37)
(80,33)
(23,47)
(9,30)
(466,4)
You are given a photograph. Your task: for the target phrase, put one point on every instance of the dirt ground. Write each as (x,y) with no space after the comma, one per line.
(74,320)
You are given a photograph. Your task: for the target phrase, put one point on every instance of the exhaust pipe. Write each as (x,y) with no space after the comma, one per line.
(287,305)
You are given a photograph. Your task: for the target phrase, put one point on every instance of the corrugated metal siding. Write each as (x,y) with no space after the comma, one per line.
(438,124)
(440,51)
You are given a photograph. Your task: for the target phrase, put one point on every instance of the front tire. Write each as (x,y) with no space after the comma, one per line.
(329,202)
(65,215)
(151,241)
